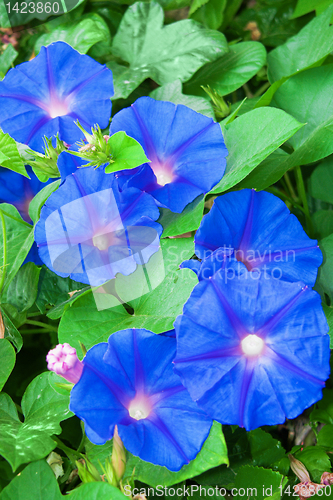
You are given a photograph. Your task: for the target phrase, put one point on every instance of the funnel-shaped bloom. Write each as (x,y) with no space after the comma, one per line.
(90,230)
(63,361)
(19,190)
(263,233)
(130,382)
(252,351)
(48,94)
(186,151)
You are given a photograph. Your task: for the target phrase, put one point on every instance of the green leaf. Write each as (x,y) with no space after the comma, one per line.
(126,153)
(10,157)
(267,97)
(212,454)
(44,409)
(81,35)
(324,409)
(321,180)
(315,460)
(22,290)
(7,356)
(189,220)
(155,309)
(37,482)
(230,71)
(308,97)
(16,239)
(257,482)
(195,5)
(164,54)
(251,138)
(307,48)
(323,223)
(325,437)
(265,449)
(305,6)
(6,60)
(229,12)
(172,92)
(210,14)
(39,200)
(54,290)
(329,317)
(11,332)
(269,171)
(4,21)
(238,454)
(325,272)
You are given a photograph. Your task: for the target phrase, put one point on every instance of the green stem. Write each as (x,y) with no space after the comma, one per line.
(69,451)
(262,89)
(302,195)
(4,235)
(290,186)
(34,330)
(83,440)
(42,325)
(279,193)
(32,315)
(247,91)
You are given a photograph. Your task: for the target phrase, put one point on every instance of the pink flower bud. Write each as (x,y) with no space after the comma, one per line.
(63,361)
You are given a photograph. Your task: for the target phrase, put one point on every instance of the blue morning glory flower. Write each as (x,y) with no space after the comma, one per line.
(129,382)
(263,234)
(252,350)
(68,164)
(19,190)
(90,230)
(186,151)
(49,93)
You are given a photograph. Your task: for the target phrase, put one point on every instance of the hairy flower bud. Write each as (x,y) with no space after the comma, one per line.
(87,471)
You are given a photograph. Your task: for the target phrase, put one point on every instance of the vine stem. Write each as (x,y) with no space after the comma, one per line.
(42,325)
(262,89)
(302,195)
(69,451)
(286,198)
(290,186)
(4,234)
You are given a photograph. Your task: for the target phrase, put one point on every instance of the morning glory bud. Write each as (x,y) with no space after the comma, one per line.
(87,471)
(118,458)
(63,361)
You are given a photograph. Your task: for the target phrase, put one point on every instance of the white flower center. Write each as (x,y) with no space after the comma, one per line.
(139,408)
(57,108)
(252,345)
(101,241)
(163,178)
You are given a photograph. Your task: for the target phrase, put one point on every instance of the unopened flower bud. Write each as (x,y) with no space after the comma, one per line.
(87,471)
(327,478)
(299,469)
(118,458)
(63,361)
